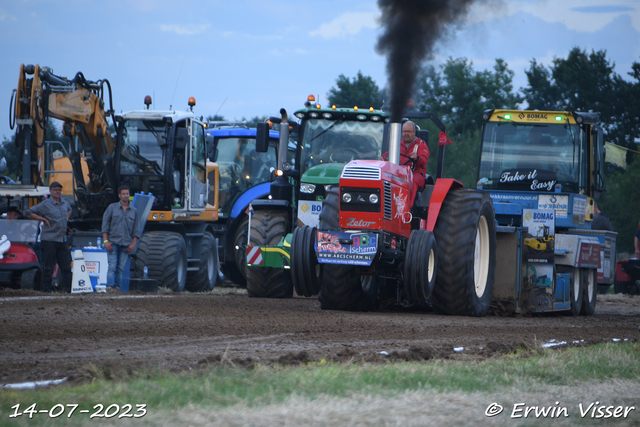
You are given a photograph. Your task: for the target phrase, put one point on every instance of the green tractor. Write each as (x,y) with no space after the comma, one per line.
(328,139)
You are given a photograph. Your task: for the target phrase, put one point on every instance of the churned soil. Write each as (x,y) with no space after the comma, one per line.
(47,337)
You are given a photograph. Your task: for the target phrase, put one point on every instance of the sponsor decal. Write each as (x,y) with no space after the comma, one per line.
(516,176)
(355,249)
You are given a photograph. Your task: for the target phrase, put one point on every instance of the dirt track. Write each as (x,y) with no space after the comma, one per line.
(50,337)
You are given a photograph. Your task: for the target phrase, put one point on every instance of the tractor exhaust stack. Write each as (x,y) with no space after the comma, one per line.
(395,139)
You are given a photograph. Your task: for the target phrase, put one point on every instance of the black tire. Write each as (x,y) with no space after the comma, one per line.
(205,278)
(466,236)
(165,255)
(30,279)
(589,280)
(235,266)
(267,229)
(340,287)
(306,273)
(576,292)
(297,266)
(420,264)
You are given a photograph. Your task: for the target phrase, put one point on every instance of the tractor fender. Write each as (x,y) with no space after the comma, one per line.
(440,191)
(256,192)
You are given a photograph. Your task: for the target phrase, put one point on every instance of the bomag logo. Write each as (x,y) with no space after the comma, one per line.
(528,216)
(304,207)
(536,116)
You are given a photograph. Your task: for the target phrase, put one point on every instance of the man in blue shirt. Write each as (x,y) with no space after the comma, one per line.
(120,233)
(53,213)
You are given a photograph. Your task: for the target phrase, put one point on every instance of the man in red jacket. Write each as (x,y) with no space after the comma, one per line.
(415,152)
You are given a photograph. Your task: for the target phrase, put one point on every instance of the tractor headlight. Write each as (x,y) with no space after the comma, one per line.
(373,198)
(307,188)
(346,197)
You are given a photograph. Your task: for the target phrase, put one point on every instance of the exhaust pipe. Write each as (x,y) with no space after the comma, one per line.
(395,139)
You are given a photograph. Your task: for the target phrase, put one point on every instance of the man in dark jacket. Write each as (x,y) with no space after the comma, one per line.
(53,213)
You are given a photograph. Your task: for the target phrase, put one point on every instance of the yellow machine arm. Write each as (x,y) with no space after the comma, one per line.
(79,103)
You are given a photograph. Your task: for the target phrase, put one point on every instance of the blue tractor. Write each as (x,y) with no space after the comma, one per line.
(245,175)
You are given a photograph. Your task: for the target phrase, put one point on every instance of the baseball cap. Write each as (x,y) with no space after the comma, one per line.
(55,184)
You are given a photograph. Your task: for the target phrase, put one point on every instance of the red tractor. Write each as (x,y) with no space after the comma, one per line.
(373,242)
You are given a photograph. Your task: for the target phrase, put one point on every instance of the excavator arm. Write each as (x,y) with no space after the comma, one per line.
(79,104)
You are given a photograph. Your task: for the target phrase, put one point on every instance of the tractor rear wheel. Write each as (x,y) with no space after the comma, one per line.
(204,279)
(466,236)
(420,265)
(589,282)
(267,229)
(306,273)
(340,287)
(165,255)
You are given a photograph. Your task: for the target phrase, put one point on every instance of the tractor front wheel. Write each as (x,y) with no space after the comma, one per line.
(306,273)
(420,265)
(340,287)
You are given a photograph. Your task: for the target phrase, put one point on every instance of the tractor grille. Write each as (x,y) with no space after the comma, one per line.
(387,200)
(361,172)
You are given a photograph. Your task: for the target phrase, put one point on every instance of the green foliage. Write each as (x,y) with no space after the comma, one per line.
(587,82)
(10,152)
(459,95)
(621,203)
(361,91)
(253,122)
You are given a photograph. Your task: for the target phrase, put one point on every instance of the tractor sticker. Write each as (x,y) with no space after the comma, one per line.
(530,177)
(346,248)
(558,203)
(579,210)
(400,200)
(589,255)
(359,223)
(539,237)
(309,213)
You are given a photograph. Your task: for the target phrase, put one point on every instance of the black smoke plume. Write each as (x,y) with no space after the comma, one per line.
(412,27)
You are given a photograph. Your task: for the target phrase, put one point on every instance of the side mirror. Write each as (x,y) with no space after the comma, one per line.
(182,136)
(162,140)
(262,137)
(3,165)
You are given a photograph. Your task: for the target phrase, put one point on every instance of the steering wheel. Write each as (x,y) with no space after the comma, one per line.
(409,158)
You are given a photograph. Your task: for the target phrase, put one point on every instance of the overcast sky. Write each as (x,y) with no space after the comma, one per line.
(251,58)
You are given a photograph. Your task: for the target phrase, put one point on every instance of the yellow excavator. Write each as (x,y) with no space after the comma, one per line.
(79,103)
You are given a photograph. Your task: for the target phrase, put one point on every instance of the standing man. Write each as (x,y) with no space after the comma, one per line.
(413,150)
(53,213)
(120,233)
